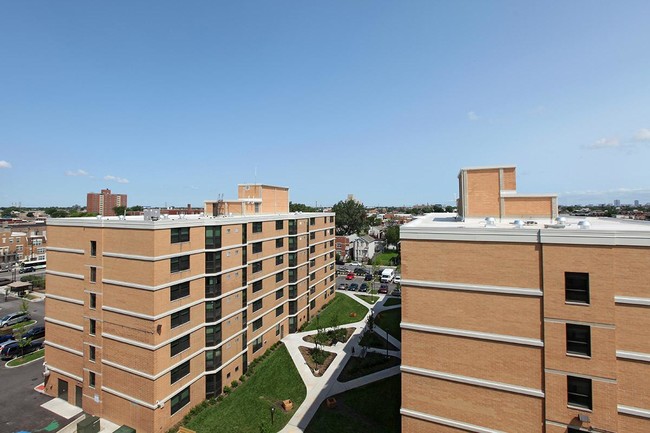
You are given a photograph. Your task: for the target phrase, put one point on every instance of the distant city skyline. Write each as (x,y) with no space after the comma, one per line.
(173,103)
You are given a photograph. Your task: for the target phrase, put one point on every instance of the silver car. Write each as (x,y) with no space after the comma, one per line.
(13,318)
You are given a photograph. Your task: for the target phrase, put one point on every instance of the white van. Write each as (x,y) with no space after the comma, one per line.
(387,275)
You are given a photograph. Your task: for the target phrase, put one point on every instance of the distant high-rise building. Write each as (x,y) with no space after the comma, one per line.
(617,202)
(104,202)
(636,202)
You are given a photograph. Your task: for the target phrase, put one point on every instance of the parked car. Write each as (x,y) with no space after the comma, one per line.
(7,342)
(396,292)
(354,287)
(12,350)
(26,270)
(343,286)
(340,262)
(13,318)
(368,277)
(397,279)
(360,271)
(363,288)
(6,337)
(383,288)
(349,276)
(354,264)
(35,333)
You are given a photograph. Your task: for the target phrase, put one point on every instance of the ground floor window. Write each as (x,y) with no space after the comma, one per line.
(180,400)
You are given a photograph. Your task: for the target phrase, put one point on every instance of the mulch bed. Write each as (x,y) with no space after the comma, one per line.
(317,370)
(348,334)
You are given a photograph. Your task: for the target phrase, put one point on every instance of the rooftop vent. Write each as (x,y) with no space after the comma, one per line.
(519,223)
(584,224)
(490,222)
(151,214)
(561,220)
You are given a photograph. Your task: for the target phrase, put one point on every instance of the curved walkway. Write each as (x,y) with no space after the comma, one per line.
(319,388)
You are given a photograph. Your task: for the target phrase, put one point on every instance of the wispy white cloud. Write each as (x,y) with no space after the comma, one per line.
(472,116)
(642,134)
(5,164)
(78,172)
(605,143)
(116,179)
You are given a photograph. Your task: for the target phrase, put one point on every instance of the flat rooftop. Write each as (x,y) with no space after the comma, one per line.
(570,223)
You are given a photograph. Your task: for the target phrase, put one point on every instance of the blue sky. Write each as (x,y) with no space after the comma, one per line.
(177,102)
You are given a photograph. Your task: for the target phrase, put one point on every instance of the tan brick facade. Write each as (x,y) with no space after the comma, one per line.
(145,304)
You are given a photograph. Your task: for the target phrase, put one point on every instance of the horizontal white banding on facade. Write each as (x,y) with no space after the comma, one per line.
(152,258)
(630,300)
(64,348)
(62,323)
(584,376)
(64,299)
(168,369)
(473,334)
(636,411)
(473,287)
(575,322)
(447,422)
(473,381)
(154,406)
(64,274)
(168,341)
(66,250)
(64,373)
(171,283)
(635,356)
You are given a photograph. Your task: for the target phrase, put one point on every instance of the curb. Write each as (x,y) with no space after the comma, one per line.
(24,364)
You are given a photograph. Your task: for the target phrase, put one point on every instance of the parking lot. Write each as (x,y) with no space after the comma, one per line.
(359,279)
(21,409)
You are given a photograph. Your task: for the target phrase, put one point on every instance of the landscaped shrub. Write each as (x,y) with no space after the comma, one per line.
(242,378)
(226,390)
(234,384)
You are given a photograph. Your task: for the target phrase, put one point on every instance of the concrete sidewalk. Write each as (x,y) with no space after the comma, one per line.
(319,388)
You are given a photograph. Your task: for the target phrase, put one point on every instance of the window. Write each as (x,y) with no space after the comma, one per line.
(312,235)
(93,327)
(257,344)
(180,235)
(91,353)
(279,224)
(257,227)
(212,335)
(279,260)
(579,391)
(212,286)
(257,324)
(180,400)
(178,291)
(331,243)
(578,339)
(91,379)
(576,287)
(331,219)
(93,274)
(312,263)
(279,277)
(279,293)
(257,247)
(93,248)
(40,250)
(257,305)
(257,286)
(312,221)
(180,317)
(93,300)
(312,304)
(279,310)
(257,266)
(279,243)
(312,276)
(312,249)
(277,329)
(180,344)
(213,237)
(178,264)
(180,371)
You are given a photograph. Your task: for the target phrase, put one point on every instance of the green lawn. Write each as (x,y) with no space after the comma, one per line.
(384,259)
(389,321)
(392,301)
(29,357)
(248,407)
(372,363)
(371,408)
(338,312)
(368,298)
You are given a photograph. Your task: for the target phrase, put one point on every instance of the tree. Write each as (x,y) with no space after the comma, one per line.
(299,207)
(137,208)
(54,212)
(30,214)
(119,210)
(350,217)
(392,235)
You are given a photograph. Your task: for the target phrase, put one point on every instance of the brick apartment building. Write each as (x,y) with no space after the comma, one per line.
(149,315)
(104,202)
(22,242)
(515,321)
